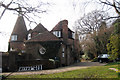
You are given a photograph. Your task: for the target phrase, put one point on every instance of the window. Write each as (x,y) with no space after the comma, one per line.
(29,36)
(14,38)
(73,35)
(42,50)
(54,32)
(57,33)
(63,55)
(63,49)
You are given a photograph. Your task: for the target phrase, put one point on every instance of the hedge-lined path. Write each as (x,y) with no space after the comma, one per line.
(75,66)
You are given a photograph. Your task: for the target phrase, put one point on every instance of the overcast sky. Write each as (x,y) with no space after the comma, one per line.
(70,10)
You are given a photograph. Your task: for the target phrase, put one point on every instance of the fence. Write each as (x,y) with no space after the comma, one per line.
(36,65)
(30,68)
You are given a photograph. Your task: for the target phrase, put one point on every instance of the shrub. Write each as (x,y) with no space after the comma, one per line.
(95,59)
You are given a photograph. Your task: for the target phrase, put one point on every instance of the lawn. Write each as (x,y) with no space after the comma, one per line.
(91,72)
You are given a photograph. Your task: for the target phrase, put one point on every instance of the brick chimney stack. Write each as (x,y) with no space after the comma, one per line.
(65,30)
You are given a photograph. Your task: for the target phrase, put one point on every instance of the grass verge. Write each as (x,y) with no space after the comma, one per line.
(91,72)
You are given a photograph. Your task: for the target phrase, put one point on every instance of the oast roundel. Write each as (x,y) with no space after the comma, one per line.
(42,50)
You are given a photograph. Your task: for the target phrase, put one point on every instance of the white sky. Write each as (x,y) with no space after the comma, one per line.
(62,9)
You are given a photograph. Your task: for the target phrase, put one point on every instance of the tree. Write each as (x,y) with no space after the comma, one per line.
(113,46)
(103,5)
(88,46)
(95,43)
(115,4)
(26,8)
(101,38)
(90,22)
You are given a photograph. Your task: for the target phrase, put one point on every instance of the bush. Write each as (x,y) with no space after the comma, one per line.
(113,47)
(95,59)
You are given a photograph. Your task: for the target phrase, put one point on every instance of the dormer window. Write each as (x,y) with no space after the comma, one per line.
(57,33)
(14,38)
(29,36)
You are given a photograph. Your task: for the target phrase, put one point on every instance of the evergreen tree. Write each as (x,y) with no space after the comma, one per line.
(113,46)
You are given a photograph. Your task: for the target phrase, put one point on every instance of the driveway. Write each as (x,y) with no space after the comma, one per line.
(75,66)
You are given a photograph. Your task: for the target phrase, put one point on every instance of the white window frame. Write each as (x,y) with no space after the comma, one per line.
(29,36)
(42,50)
(63,54)
(14,38)
(57,33)
(63,49)
(73,35)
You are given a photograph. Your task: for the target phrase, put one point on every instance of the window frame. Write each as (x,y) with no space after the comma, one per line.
(29,36)
(14,37)
(57,33)
(73,35)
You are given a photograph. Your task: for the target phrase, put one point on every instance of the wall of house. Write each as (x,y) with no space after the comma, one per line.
(51,49)
(62,55)
(18,46)
(69,56)
(33,49)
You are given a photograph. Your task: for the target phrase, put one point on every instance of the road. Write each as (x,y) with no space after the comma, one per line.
(75,66)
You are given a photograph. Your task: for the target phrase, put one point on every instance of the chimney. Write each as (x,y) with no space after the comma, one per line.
(65,30)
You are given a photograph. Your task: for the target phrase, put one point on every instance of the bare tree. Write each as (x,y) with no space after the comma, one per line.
(103,5)
(96,44)
(24,8)
(88,45)
(30,9)
(115,4)
(90,22)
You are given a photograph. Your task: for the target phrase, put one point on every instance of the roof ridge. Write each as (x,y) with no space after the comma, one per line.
(39,28)
(45,36)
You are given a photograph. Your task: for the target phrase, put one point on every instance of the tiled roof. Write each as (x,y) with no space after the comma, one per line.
(39,28)
(44,37)
(59,25)
(20,29)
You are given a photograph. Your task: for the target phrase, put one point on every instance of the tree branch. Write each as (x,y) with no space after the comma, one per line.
(112,4)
